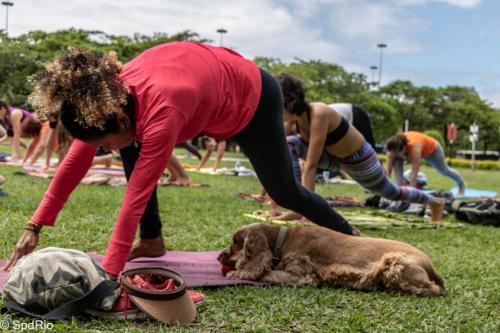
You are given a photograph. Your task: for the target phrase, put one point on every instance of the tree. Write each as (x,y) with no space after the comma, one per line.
(384,118)
(24,55)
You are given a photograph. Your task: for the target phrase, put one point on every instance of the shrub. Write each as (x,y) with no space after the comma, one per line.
(461,163)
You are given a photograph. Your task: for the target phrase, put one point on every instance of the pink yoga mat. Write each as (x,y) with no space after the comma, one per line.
(92,171)
(106,171)
(199,269)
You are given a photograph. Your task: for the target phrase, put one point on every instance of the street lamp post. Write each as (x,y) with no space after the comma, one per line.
(221,31)
(381,46)
(373,68)
(7,4)
(474,137)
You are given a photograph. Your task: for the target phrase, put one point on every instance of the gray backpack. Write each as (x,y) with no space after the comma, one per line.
(485,212)
(55,283)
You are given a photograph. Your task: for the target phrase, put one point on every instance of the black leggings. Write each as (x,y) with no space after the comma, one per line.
(362,122)
(264,143)
(150,226)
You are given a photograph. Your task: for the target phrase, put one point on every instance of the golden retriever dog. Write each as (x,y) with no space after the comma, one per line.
(313,255)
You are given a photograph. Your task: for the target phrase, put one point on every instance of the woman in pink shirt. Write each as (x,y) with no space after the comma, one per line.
(167,95)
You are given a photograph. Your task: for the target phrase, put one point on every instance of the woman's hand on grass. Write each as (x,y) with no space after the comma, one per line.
(25,245)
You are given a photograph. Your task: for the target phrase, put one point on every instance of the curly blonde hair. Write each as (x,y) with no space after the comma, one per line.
(85,80)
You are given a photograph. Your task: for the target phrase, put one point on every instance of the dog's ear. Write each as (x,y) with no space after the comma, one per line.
(257,257)
(234,252)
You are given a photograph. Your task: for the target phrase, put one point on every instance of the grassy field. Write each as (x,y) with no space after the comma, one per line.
(204,219)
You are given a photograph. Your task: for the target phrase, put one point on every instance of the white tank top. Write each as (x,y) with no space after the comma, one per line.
(344,109)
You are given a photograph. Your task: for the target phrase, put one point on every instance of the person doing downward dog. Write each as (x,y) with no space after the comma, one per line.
(21,123)
(166,95)
(327,139)
(413,147)
(212,145)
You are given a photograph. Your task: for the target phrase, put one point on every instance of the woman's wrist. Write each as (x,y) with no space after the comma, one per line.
(33,226)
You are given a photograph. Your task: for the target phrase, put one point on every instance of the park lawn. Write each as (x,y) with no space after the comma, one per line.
(204,219)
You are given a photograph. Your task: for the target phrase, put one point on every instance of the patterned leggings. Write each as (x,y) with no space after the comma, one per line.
(363,166)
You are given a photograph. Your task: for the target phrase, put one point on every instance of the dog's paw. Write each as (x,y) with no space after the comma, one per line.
(240,275)
(232,275)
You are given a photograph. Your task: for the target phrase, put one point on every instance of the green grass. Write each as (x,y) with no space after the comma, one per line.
(204,219)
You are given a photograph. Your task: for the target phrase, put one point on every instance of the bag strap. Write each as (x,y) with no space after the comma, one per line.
(71,308)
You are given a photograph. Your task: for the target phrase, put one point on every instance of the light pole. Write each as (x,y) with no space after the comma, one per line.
(7,4)
(381,46)
(474,137)
(373,68)
(221,31)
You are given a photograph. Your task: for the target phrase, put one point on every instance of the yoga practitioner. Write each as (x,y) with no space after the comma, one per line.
(20,123)
(413,147)
(47,142)
(168,94)
(327,139)
(213,144)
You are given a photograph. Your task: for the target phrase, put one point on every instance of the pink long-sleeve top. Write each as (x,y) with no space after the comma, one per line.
(180,90)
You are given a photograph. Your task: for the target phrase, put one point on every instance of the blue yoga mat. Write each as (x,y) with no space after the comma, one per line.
(470,193)
(473,193)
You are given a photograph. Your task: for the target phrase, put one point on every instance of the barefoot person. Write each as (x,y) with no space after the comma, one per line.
(166,95)
(327,139)
(413,147)
(20,123)
(213,144)
(47,143)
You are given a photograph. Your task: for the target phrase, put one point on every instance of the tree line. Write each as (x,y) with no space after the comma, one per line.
(426,108)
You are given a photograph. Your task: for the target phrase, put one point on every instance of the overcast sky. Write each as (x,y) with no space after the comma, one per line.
(430,42)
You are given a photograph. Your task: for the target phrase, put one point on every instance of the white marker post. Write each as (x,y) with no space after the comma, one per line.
(474,130)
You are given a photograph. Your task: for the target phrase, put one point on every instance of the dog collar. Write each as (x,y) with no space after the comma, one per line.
(279,245)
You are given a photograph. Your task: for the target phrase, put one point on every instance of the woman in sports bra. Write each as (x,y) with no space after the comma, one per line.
(327,139)
(20,123)
(412,147)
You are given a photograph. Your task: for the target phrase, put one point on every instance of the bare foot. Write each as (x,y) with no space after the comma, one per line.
(437,209)
(289,216)
(148,248)
(461,190)
(274,211)
(182,181)
(356,231)
(171,180)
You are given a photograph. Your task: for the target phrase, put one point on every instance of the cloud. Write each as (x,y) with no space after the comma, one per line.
(493,98)
(258,27)
(457,3)
(462,3)
(345,32)
(361,24)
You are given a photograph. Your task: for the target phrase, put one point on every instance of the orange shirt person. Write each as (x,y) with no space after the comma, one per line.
(413,147)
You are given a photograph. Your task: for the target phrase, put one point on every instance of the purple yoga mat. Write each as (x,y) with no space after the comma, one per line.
(199,269)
